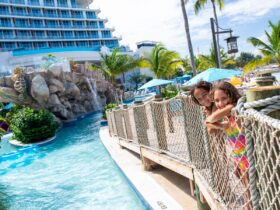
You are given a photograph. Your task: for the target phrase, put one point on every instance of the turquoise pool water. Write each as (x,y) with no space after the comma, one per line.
(74,172)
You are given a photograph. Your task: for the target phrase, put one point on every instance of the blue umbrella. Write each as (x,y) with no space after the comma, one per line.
(213,74)
(154,83)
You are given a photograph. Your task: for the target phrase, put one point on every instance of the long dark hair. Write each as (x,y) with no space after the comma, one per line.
(200,85)
(229,89)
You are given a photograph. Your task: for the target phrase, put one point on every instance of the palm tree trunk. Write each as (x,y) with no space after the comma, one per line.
(123,75)
(217,30)
(187,29)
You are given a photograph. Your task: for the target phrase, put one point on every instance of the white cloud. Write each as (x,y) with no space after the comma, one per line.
(162,20)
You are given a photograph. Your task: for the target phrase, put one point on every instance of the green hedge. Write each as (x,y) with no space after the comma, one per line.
(30,126)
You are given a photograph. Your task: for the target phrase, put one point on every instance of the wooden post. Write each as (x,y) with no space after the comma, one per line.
(201,202)
(265,89)
(157,109)
(141,124)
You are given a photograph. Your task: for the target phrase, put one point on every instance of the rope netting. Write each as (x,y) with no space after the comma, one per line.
(241,167)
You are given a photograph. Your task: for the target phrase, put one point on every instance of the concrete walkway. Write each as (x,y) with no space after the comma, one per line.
(161,188)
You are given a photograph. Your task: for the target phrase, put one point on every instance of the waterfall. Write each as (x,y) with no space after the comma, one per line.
(93,90)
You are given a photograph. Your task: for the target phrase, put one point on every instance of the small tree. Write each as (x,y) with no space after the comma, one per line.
(244,58)
(162,62)
(115,63)
(136,78)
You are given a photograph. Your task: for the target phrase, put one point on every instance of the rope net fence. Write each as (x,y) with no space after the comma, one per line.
(242,171)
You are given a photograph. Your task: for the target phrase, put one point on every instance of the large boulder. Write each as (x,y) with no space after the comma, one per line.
(55,70)
(57,83)
(53,89)
(53,100)
(39,89)
(71,90)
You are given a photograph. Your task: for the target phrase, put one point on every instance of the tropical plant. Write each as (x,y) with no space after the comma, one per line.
(170,91)
(49,60)
(107,107)
(187,29)
(30,126)
(271,49)
(115,63)
(137,78)
(244,58)
(252,65)
(187,64)
(162,62)
(208,61)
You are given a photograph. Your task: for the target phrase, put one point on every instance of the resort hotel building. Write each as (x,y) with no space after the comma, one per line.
(30,29)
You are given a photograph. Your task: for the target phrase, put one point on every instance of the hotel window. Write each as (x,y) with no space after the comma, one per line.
(5,22)
(101,24)
(69,44)
(40,45)
(33,2)
(19,11)
(9,45)
(92,24)
(6,34)
(62,3)
(39,34)
(37,23)
(51,23)
(67,34)
(4,10)
(21,23)
(35,12)
(91,15)
(106,34)
(25,45)
(93,34)
(65,24)
(54,34)
(50,13)
(78,24)
(48,2)
(82,44)
(73,3)
(64,13)
(55,44)
(77,14)
(80,34)
(96,43)
(23,34)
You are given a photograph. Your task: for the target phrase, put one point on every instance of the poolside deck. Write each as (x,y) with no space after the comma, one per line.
(161,188)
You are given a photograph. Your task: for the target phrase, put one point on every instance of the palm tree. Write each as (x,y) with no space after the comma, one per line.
(271,49)
(208,61)
(115,64)
(187,29)
(137,78)
(162,62)
(199,4)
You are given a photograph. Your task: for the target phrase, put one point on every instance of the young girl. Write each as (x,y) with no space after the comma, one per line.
(200,94)
(225,97)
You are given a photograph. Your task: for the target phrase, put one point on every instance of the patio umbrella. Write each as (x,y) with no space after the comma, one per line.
(154,83)
(213,74)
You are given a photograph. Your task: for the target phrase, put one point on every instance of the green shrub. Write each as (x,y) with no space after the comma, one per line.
(108,106)
(170,91)
(30,126)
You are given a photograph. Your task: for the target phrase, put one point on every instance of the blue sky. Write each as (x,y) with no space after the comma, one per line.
(162,20)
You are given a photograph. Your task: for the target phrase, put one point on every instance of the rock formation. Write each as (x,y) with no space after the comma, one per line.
(66,94)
